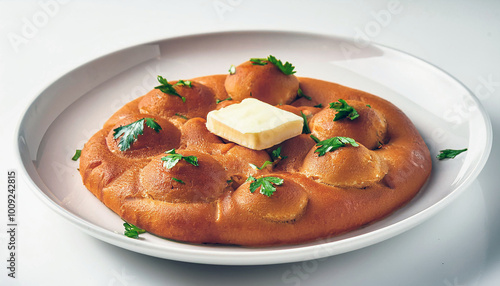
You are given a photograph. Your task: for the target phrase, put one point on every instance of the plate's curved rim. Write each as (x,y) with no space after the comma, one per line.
(257,256)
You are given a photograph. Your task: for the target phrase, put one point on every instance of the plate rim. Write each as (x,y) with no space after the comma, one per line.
(275,256)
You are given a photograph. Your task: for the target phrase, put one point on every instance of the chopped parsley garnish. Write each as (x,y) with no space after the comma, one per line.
(187,83)
(266,163)
(132,231)
(300,93)
(77,155)
(258,61)
(333,144)
(305,127)
(275,157)
(316,139)
(319,105)
(266,184)
(232,69)
(449,153)
(181,116)
(221,100)
(173,158)
(368,106)
(168,88)
(343,110)
(132,130)
(286,68)
(178,180)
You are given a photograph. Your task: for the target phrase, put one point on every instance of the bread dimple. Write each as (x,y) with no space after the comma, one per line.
(320,196)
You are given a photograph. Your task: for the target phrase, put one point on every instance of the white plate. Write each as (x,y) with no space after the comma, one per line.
(64,116)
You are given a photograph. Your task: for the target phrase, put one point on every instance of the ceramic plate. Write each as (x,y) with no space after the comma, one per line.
(71,109)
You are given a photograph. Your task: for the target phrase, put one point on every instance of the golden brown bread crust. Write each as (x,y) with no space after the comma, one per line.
(321,195)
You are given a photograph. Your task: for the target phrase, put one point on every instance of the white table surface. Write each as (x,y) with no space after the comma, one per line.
(42,40)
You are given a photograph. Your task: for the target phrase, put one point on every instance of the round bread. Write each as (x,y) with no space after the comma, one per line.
(215,201)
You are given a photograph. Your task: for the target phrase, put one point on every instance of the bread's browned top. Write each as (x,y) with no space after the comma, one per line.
(321,195)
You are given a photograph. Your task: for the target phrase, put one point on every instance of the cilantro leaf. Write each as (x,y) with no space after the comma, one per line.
(132,231)
(258,61)
(266,184)
(343,110)
(300,93)
(286,68)
(305,127)
(173,158)
(449,153)
(333,144)
(131,131)
(168,88)
(221,100)
(319,105)
(77,155)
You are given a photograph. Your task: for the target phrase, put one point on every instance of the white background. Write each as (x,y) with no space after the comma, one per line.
(42,40)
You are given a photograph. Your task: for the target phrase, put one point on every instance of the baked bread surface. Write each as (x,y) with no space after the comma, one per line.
(321,196)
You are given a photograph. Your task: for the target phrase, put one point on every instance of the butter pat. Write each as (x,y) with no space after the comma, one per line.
(254,124)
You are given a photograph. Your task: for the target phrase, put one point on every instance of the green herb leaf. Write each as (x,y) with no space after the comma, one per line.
(343,110)
(173,158)
(276,155)
(333,144)
(178,180)
(131,131)
(266,184)
(258,61)
(167,88)
(319,105)
(77,155)
(286,68)
(300,93)
(181,116)
(449,153)
(316,139)
(187,83)
(232,69)
(266,163)
(132,231)
(221,100)
(151,123)
(305,127)
(368,106)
